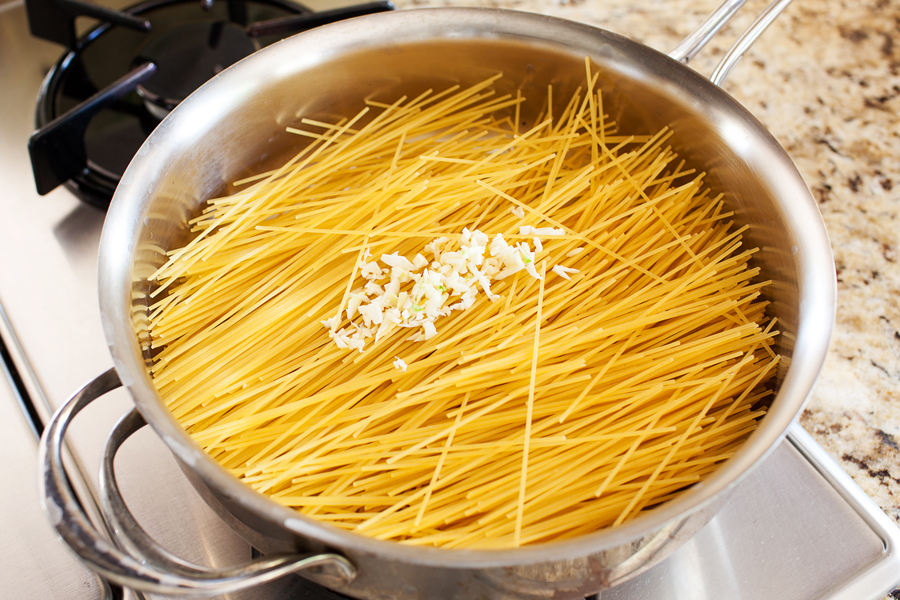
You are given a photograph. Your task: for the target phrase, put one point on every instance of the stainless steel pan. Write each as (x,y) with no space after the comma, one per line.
(237,121)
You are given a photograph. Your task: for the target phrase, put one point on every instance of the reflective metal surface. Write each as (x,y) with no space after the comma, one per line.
(48,289)
(775,540)
(48,270)
(237,120)
(134,559)
(32,563)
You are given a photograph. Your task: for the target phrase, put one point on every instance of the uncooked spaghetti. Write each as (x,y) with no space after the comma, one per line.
(436,326)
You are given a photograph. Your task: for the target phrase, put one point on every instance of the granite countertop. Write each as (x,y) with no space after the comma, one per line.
(825,80)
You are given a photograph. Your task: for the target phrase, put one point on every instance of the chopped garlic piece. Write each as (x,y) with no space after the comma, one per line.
(396,260)
(417,292)
(353,304)
(400,364)
(564,271)
(371,313)
(373,289)
(529,230)
(371,270)
(575,252)
(437,246)
(420,261)
(518,211)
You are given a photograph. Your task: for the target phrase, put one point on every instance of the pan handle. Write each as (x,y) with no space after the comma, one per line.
(142,564)
(697,39)
(736,52)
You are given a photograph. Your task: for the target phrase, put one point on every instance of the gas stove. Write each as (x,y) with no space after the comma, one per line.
(795,528)
(117,81)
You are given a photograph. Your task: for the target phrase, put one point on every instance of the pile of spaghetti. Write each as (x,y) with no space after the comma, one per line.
(614,357)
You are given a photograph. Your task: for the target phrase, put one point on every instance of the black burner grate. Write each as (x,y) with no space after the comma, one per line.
(114,85)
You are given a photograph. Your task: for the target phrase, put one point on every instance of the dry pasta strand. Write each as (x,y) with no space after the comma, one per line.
(625,368)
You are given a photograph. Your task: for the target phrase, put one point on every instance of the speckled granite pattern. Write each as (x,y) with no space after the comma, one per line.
(825,80)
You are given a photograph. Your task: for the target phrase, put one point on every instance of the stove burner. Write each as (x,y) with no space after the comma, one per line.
(101,100)
(54,20)
(186,57)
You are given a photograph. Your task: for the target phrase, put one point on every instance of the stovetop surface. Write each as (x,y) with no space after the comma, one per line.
(187,44)
(795,528)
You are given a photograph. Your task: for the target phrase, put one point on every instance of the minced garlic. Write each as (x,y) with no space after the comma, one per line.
(446,277)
